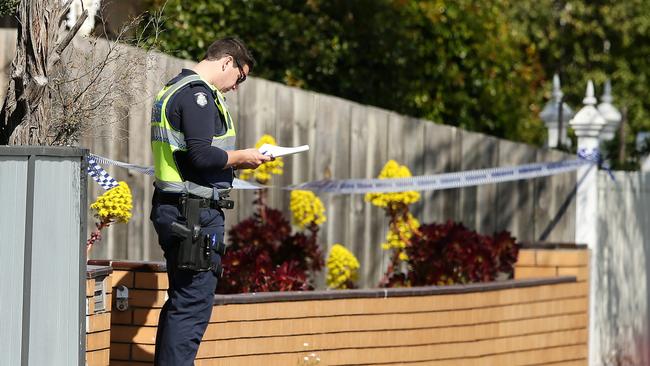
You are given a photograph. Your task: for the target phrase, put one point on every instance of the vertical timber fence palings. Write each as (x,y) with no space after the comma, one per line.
(347,140)
(622,316)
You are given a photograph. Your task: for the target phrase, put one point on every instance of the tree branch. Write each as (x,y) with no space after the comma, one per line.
(58,50)
(64,10)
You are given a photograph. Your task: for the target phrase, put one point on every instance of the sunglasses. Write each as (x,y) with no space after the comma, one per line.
(242,76)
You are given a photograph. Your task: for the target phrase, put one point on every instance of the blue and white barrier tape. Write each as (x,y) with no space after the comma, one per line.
(461,179)
(148,170)
(100,175)
(466,178)
(594,156)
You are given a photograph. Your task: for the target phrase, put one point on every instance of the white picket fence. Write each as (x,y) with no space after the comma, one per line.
(621,308)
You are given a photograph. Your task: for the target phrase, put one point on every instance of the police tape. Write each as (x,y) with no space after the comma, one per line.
(460,179)
(101,176)
(434,182)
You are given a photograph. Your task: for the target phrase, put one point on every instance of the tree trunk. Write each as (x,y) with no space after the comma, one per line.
(41,40)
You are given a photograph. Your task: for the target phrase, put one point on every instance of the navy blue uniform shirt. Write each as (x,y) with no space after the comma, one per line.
(188,112)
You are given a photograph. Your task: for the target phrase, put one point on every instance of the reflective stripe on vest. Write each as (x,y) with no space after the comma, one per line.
(173,138)
(165,140)
(227,140)
(193,188)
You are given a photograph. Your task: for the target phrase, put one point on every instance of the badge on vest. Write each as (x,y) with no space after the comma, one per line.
(201,99)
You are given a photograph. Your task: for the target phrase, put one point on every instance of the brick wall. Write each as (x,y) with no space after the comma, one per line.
(511,322)
(133,332)
(98,315)
(543,261)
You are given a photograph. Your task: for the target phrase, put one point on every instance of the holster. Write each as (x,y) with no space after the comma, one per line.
(195,250)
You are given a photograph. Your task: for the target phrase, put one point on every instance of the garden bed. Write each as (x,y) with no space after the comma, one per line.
(510,322)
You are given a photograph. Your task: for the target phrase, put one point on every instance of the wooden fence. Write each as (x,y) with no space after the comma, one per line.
(347,140)
(622,273)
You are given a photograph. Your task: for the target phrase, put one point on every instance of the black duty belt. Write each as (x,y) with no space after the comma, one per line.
(177,199)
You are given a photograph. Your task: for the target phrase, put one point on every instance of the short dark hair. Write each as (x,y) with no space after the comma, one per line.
(230,46)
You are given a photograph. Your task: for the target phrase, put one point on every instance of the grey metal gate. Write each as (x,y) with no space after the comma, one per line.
(42,255)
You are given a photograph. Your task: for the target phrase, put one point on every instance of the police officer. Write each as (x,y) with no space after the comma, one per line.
(193,143)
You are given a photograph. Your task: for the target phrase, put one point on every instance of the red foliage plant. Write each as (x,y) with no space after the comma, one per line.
(449,253)
(263,255)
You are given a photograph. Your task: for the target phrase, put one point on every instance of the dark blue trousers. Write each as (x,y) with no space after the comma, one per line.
(186,313)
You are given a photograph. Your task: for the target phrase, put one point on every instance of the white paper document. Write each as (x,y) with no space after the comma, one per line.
(277,151)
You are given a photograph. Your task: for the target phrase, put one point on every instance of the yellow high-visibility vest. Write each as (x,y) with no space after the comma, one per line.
(165,140)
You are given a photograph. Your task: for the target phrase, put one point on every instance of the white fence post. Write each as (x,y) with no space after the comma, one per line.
(551,116)
(611,114)
(587,124)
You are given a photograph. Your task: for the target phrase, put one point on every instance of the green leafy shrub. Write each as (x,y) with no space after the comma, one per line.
(459,62)
(8,7)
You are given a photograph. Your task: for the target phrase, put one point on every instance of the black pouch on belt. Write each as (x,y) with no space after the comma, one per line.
(194,252)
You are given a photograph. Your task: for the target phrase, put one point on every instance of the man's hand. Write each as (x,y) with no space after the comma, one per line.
(246,159)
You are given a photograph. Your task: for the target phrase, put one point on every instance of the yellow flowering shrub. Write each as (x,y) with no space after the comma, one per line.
(389,200)
(306,208)
(114,205)
(400,233)
(264,172)
(342,268)
(403,227)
